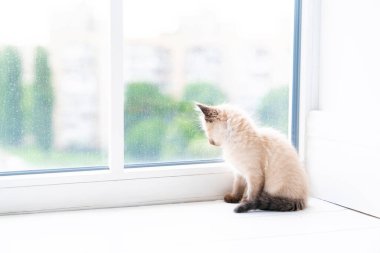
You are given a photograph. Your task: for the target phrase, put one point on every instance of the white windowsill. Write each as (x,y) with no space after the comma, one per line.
(100,189)
(192,227)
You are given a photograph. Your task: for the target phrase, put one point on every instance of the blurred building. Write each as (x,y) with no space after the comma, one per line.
(214,54)
(79,59)
(200,51)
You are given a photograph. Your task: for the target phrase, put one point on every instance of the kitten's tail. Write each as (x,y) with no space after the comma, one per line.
(272,203)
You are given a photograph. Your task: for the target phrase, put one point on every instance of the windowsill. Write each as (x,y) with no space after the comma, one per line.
(192,227)
(100,189)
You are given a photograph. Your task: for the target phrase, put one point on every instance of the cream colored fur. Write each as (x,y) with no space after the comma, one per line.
(263,160)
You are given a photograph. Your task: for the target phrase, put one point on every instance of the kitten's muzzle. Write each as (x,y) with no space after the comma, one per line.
(212,142)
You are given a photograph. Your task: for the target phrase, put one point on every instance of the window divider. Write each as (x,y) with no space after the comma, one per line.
(116,91)
(295,88)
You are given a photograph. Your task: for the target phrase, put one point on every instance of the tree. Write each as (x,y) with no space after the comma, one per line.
(10,97)
(27,107)
(143,101)
(273,109)
(159,127)
(43,101)
(148,113)
(144,140)
(183,128)
(204,93)
(184,133)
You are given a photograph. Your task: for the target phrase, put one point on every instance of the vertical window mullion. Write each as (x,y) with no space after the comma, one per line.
(116,91)
(295,91)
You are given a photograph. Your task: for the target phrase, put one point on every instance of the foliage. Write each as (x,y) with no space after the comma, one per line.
(179,134)
(144,101)
(159,127)
(144,141)
(43,101)
(147,114)
(273,109)
(26,105)
(204,93)
(11,117)
(200,148)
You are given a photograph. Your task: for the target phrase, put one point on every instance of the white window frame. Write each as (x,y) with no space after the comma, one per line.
(309,78)
(116,186)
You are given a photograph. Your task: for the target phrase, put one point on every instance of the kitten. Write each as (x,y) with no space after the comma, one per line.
(268,174)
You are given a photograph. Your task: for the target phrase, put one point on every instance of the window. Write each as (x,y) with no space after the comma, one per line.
(53,72)
(211,52)
(53,77)
(97,85)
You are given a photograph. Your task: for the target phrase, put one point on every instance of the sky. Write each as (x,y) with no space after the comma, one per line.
(28,22)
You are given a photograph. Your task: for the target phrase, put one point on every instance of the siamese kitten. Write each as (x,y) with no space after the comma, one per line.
(268,174)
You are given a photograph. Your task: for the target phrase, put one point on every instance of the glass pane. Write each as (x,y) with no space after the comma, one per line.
(211,51)
(53,70)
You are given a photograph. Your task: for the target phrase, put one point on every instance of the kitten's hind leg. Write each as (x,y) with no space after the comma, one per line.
(255,186)
(238,190)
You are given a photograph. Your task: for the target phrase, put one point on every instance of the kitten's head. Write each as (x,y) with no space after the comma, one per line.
(214,123)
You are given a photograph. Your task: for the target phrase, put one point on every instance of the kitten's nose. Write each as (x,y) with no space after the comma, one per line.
(211,142)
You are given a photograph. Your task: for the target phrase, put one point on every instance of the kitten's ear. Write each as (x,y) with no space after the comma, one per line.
(211,113)
(206,110)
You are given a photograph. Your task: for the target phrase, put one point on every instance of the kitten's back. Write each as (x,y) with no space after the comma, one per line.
(284,174)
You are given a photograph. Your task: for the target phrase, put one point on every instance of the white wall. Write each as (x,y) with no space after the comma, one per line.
(343,136)
(350,57)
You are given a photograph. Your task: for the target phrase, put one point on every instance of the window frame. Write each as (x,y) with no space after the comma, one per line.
(114,185)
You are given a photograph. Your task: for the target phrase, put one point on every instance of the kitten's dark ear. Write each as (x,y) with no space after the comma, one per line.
(210,113)
(204,108)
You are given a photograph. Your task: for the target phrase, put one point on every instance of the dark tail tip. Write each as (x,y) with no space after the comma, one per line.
(277,203)
(271,203)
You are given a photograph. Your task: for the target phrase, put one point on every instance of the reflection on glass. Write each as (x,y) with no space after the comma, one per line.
(212,52)
(52,63)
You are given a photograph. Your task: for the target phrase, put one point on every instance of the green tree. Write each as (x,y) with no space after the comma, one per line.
(159,127)
(148,113)
(184,133)
(180,132)
(27,106)
(273,109)
(144,140)
(10,97)
(43,101)
(144,101)
(204,93)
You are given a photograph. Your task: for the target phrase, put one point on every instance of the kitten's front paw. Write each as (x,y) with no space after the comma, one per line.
(229,198)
